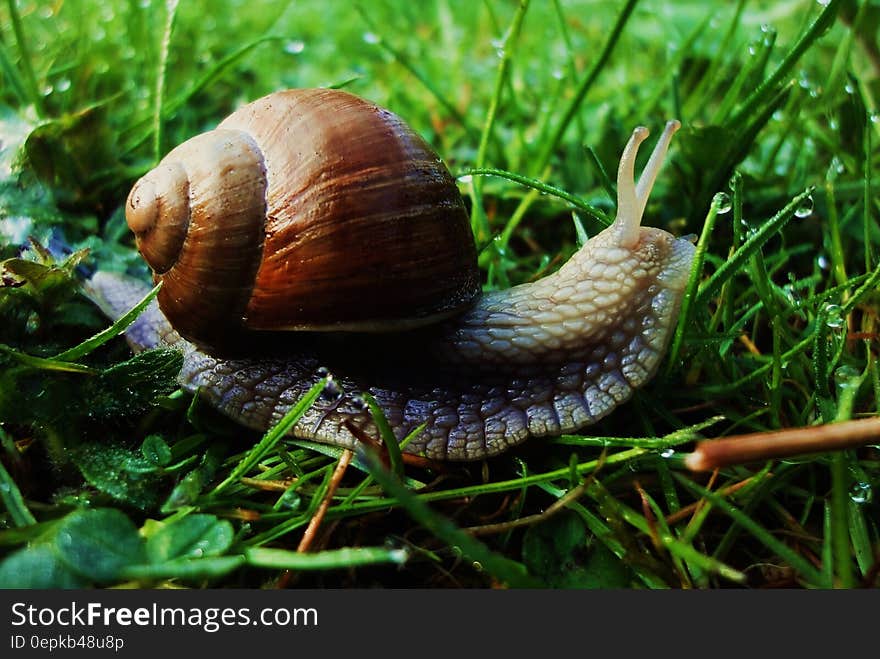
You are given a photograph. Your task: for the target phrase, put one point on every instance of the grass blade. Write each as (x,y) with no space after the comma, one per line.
(272,437)
(806,570)
(330,559)
(736,262)
(504,569)
(14,502)
(115,329)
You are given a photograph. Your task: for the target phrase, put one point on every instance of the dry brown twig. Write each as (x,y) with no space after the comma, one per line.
(753,447)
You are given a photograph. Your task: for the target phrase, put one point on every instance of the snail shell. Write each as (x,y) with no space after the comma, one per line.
(538,359)
(308,209)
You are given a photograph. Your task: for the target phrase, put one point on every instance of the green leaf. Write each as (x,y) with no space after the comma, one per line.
(76,155)
(122,473)
(192,536)
(99,543)
(125,388)
(557,550)
(156,451)
(37,568)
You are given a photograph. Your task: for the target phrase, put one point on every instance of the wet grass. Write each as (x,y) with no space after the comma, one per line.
(775,171)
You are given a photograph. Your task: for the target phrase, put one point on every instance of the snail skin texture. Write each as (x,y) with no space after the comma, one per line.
(536,360)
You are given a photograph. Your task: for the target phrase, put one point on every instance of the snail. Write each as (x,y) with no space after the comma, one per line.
(284,186)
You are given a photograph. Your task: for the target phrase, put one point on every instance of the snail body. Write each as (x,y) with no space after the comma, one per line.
(481,371)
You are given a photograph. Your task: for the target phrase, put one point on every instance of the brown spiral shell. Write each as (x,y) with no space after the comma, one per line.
(308,209)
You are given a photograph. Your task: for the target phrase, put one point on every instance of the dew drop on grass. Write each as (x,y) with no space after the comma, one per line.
(294,47)
(822,262)
(722,199)
(805,209)
(834,316)
(847,378)
(290,500)
(32,324)
(358,403)
(861,492)
(667,453)
(371,37)
(63,85)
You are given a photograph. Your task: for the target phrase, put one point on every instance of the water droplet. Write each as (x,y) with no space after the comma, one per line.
(834,316)
(847,378)
(822,262)
(805,209)
(294,47)
(32,325)
(465,178)
(48,89)
(331,392)
(372,38)
(722,200)
(667,452)
(848,88)
(861,492)
(823,3)
(63,85)
(837,165)
(779,115)
(358,403)
(323,372)
(290,500)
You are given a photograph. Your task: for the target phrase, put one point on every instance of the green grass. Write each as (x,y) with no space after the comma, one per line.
(109,475)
